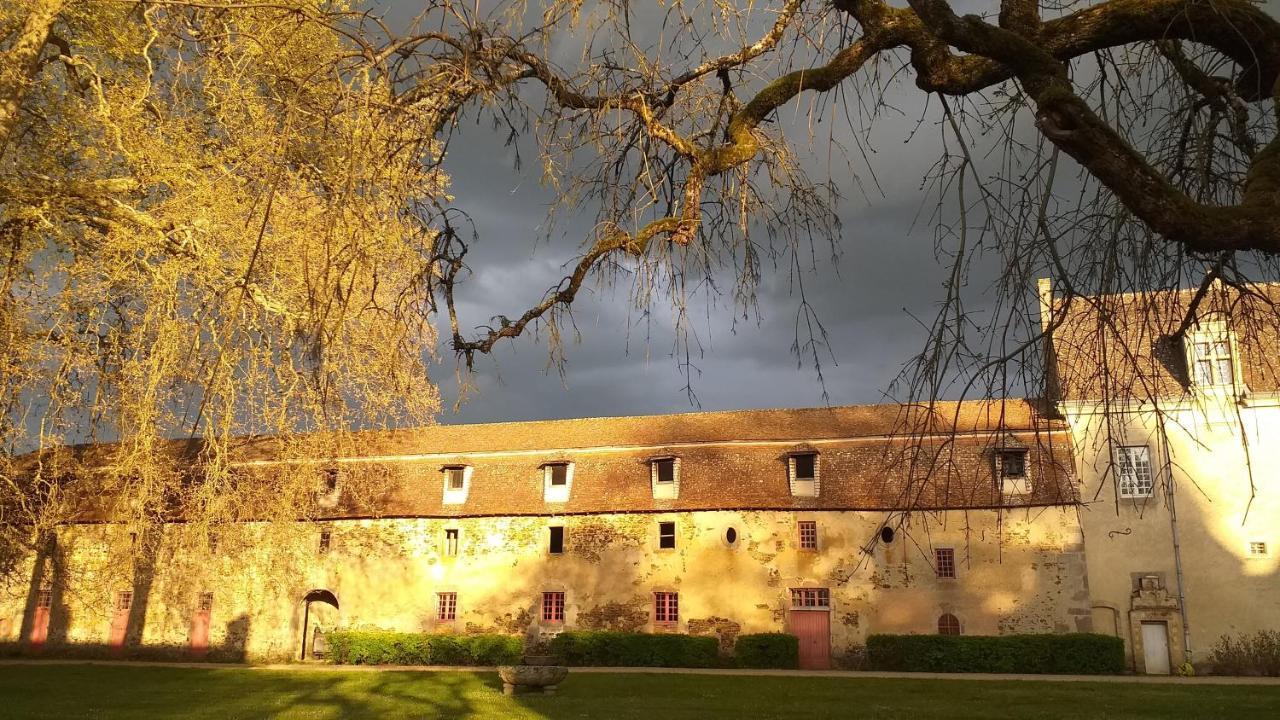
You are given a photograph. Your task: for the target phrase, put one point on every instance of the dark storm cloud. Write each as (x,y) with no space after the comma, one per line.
(626,362)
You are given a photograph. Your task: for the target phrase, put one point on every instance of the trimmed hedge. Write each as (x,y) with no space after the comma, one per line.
(767,650)
(361,647)
(1074,653)
(624,649)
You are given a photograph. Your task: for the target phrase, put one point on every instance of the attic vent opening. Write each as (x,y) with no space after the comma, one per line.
(731,536)
(886,534)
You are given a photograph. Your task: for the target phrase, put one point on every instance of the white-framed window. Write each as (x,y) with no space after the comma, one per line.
(1011,471)
(452,540)
(1133,471)
(557,479)
(802,471)
(457,483)
(1258,549)
(1210,355)
(810,598)
(664,477)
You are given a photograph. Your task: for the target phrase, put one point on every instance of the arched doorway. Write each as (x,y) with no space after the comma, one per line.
(322,596)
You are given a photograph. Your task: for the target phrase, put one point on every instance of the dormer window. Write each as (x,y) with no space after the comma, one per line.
(457,483)
(327,495)
(802,469)
(1209,355)
(664,476)
(1013,463)
(557,478)
(1011,471)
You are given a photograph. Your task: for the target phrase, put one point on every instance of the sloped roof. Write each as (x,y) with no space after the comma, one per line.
(1129,346)
(882,457)
(849,421)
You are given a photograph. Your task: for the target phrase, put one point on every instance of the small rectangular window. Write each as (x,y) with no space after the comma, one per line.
(1258,548)
(553,607)
(557,540)
(124,600)
(1133,470)
(945,562)
(1013,463)
(666,608)
(808,535)
(205,602)
(666,535)
(666,470)
(805,466)
(213,542)
(455,478)
(326,538)
(44,599)
(330,479)
(447,606)
(810,597)
(451,542)
(559,474)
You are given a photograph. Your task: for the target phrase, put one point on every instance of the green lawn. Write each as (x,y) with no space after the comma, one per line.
(86,691)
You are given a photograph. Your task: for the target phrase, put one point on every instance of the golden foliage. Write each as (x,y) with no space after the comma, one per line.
(211,227)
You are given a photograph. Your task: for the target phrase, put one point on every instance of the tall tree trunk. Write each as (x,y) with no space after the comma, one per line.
(18,64)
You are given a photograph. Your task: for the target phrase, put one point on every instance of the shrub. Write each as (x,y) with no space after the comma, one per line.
(624,649)
(1256,654)
(362,647)
(767,650)
(1076,653)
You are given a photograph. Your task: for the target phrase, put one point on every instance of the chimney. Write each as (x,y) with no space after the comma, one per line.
(1046,303)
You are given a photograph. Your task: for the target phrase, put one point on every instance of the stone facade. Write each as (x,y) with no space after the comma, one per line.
(860,543)
(1187,544)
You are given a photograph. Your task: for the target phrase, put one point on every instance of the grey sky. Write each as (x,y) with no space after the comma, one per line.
(624,363)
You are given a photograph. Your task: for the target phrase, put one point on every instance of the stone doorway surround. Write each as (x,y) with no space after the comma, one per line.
(1155,605)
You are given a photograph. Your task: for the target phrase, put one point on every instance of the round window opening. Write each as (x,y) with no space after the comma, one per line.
(886,534)
(731,536)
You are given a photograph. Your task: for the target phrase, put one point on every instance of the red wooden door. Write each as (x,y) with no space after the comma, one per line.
(40,619)
(200,626)
(120,620)
(813,628)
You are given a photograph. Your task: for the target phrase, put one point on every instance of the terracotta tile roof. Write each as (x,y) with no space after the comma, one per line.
(1127,345)
(879,457)
(869,458)
(849,421)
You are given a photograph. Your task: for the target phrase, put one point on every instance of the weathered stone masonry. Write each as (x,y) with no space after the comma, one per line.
(737,560)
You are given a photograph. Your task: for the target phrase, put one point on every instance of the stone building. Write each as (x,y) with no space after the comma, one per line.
(829,523)
(1155,450)
(1175,418)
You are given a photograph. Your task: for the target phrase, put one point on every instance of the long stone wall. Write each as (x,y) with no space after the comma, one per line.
(1018,570)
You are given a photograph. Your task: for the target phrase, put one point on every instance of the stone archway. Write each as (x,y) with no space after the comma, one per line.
(318,595)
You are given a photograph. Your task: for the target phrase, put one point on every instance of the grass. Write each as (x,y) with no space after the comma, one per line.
(141,691)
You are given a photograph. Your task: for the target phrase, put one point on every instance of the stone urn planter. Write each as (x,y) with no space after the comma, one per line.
(533,674)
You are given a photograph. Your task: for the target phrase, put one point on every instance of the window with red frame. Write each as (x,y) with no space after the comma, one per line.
(666,608)
(447,606)
(553,607)
(810,597)
(808,535)
(945,562)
